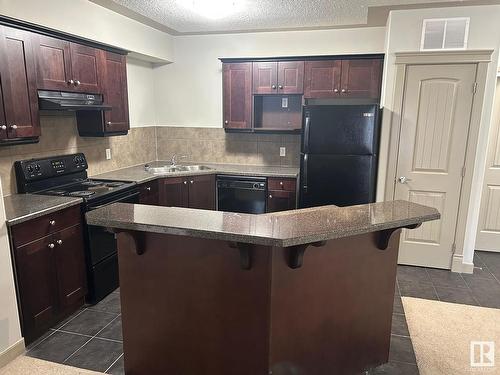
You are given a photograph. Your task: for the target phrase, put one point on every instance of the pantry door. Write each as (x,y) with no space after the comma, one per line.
(488,234)
(435,118)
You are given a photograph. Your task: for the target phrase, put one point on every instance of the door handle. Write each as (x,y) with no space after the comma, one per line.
(403,180)
(306,133)
(304,174)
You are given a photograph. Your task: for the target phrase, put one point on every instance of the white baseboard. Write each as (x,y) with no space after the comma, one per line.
(458,265)
(12,352)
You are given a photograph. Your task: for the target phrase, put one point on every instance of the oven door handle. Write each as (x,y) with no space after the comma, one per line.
(115,201)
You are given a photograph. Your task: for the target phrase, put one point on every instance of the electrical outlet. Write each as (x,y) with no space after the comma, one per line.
(108,154)
(282,151)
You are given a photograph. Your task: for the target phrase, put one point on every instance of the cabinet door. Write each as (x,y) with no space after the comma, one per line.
(202,192)
(237,95)
(265,77)
(280,200)
(18,75)
(53,63)
(174,192)
(114,81)
(70,265)
(84,68)
(322,79)
(290,77)
(148,193)
(37,285)
(361,78)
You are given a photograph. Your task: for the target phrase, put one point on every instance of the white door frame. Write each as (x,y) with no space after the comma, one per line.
(480,57)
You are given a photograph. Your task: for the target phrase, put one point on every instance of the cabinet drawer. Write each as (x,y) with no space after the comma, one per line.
(44,225)
(287,184)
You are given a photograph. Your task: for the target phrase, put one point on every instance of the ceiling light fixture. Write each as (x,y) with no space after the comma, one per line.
(214,9)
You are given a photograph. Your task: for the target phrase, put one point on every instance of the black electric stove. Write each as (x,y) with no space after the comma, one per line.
(66,175)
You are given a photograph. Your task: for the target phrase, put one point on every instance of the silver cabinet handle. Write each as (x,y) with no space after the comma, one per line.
(191,182)
(185,182)
(344,91)
(52,222)
(281,183)
(148,188)
(3,127)
(59,242)
(51,245)
(13,126)
(403,180)
(71,82)
(270,196)
(280,87)
(77,82)
(273,87)
(335,90)
(226,122)
(109,123)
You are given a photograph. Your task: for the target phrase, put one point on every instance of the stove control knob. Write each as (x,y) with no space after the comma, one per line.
(30,168)
(37,167)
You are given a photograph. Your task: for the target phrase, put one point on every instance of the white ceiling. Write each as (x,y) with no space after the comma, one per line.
(259,15)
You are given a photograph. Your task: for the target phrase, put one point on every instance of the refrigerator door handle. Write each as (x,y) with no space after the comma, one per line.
(306,133)
(304,174)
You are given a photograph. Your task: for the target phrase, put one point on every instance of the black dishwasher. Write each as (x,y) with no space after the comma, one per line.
(241,194)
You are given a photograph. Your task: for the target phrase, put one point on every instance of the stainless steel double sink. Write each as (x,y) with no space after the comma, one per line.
(176,168)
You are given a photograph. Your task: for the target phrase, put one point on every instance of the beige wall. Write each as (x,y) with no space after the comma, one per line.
(91,21)
(60,136)
(188,92)
(140,82)
(404,32)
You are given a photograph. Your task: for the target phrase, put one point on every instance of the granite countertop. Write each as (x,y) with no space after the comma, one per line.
(22,207)
(139,175)
(287,228)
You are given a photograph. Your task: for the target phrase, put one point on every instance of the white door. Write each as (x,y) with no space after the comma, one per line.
(437,105)
(488,235)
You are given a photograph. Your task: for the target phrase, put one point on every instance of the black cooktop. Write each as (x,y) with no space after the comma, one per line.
(87,189)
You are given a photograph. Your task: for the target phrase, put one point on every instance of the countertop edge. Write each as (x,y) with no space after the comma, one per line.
(45,211)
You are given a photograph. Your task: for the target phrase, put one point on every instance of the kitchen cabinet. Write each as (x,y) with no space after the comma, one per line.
(113,78)
(50,269)
(19,119)
(278,77)
(237,95)
(149,193)
(66,66)
(349,78)
(191,191)
(281,194)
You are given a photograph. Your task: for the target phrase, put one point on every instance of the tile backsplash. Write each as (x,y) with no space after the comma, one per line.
(142,145)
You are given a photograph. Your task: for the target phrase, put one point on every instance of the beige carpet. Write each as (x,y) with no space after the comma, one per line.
(23,365)
(441,334)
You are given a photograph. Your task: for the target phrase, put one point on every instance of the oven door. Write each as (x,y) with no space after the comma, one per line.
(101,243)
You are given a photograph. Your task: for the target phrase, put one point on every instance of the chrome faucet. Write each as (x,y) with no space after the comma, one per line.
(173,159)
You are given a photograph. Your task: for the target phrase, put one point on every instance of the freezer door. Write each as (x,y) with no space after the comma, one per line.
(342,180)
(340,129)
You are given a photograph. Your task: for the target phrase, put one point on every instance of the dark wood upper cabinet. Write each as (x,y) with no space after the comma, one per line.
(237,95)
(361,78)
(265,77)
(19,117)
(322,78)
(290,77)
(84,68)
(66,66)
(53,57)
(114,77)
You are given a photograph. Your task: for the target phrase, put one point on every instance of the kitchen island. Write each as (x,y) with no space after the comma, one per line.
(305,291)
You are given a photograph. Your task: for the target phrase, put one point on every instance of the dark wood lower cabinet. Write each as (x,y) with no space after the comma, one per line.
(191,191)
(280,200)
(50,271)
(149,193)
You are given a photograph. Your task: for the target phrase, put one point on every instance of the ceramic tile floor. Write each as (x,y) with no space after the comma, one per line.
(92,338)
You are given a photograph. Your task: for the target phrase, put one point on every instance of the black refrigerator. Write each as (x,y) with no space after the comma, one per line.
(338,162)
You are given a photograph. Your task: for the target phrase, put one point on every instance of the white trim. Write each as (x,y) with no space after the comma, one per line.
(12,352)
(443,48)
(443,57)
(458,265)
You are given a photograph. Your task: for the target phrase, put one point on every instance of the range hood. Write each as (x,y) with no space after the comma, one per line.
(71,101)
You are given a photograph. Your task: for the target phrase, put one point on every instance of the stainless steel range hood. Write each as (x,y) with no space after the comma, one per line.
(71,101)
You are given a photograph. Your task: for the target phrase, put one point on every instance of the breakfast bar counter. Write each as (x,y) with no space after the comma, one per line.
(305,291)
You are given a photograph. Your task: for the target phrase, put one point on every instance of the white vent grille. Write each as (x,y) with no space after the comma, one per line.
(444,33)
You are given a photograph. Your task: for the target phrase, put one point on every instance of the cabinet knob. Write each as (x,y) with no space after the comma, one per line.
(71,82)
(280,87)
(344,91)
(52,222)
(270,196)
(77,82)
(281,183)
(335,90)
(51,245)
(59,242)
(148,188)
(185,182)
(3,127)
(273,87)
(191,182)
(226,122)
(13,126)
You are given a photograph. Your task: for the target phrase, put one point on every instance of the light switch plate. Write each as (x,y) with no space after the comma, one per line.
(108,154)
(282,151)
